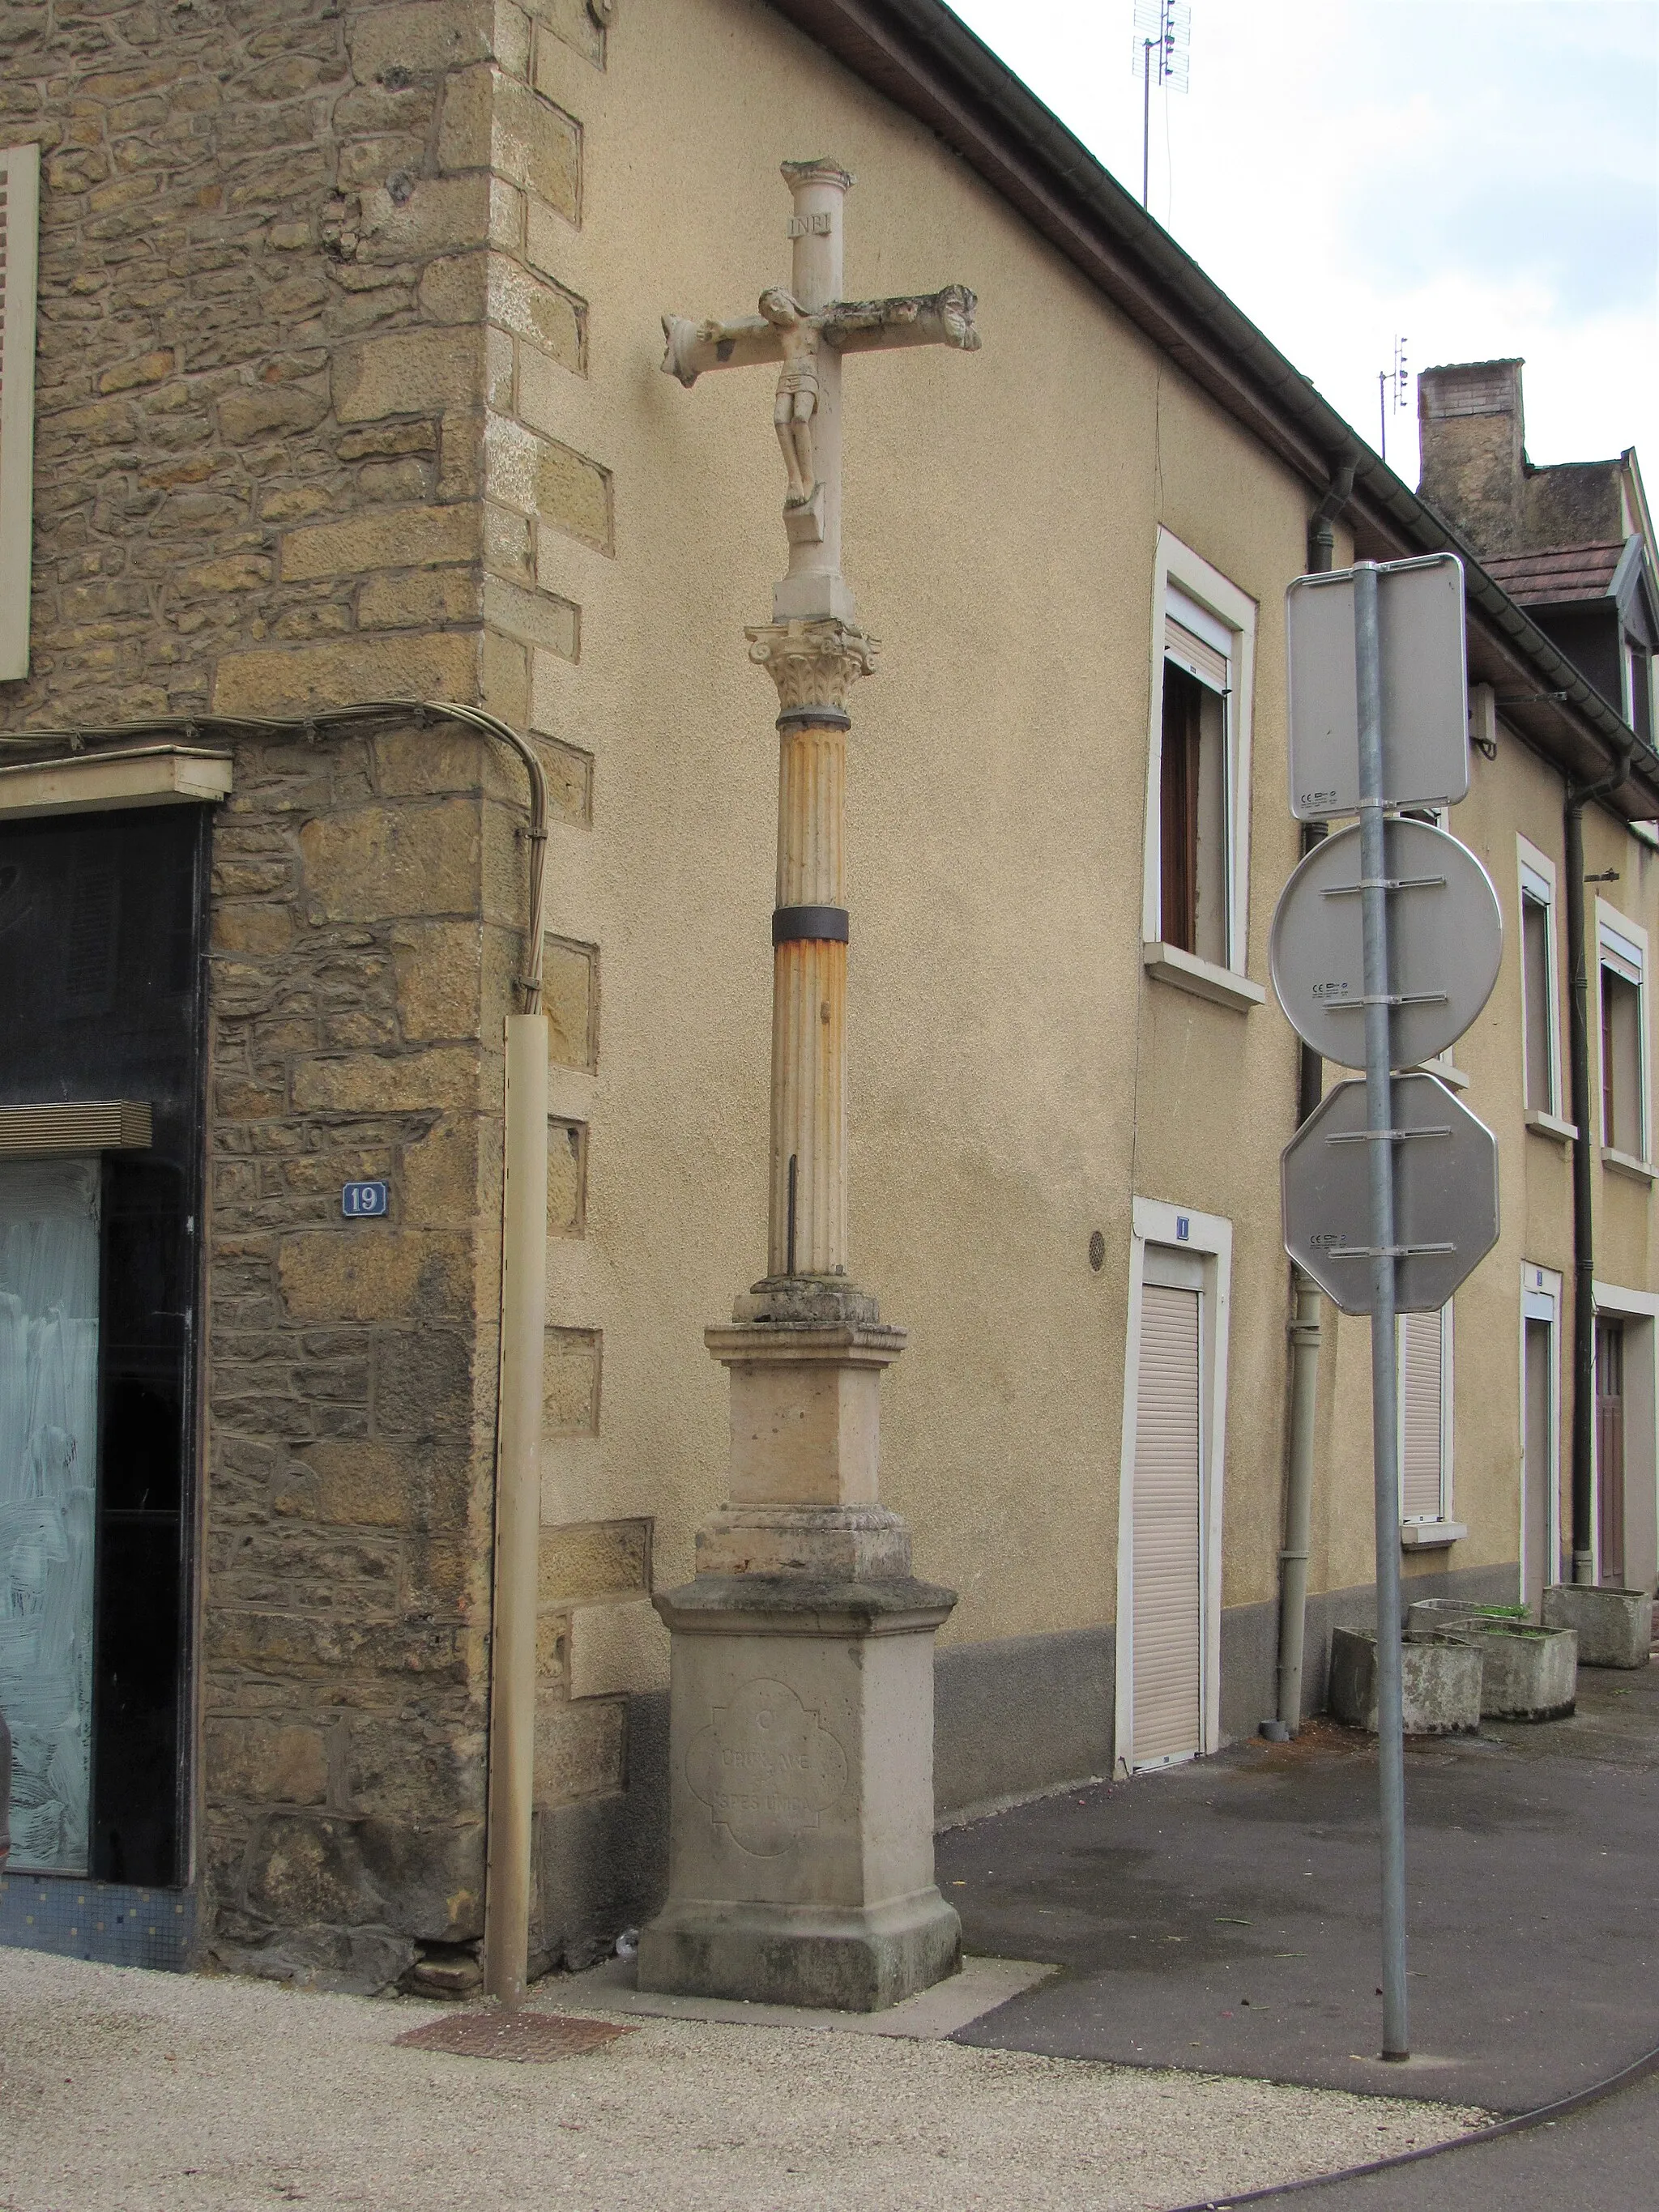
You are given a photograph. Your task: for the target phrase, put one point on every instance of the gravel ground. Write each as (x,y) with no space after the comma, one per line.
(122,2091)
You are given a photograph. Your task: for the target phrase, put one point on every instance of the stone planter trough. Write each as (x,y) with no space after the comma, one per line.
(1527,1674)
(1440,1682)
(1616,1627)
(1427,1615)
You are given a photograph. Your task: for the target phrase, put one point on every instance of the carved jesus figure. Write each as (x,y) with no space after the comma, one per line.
(799,334)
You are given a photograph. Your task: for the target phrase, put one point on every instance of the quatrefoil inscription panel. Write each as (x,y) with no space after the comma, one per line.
(766,1767)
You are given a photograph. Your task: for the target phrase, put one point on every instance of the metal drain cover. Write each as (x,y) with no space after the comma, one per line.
(531,2038)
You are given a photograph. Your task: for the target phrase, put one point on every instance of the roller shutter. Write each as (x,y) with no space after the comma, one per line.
(1166,1531)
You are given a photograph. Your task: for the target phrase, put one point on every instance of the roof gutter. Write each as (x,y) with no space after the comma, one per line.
(920,56)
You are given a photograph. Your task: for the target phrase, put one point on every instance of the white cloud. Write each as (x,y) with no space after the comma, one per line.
(1476,175)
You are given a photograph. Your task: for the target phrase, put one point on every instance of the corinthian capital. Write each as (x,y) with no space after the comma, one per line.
(813,663)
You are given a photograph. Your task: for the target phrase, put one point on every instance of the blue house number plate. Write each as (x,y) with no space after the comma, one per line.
(358,1198)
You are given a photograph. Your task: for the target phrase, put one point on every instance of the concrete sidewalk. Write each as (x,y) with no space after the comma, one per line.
(1224,1915)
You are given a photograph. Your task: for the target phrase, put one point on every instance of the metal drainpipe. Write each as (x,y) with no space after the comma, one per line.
(509,1875)
(1583,1221)
(1304,1328)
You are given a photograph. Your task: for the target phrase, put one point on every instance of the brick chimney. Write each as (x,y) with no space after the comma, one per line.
(1471,436)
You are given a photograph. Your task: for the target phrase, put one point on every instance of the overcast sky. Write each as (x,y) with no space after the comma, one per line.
(1480,176)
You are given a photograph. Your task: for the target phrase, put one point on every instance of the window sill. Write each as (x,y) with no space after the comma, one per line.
(1431,1535)
(1551,1126)
(1625,1163)
(1452,1077)
(1225,986)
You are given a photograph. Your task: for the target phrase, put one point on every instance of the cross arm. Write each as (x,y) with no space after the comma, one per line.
(694,347)
(944,318)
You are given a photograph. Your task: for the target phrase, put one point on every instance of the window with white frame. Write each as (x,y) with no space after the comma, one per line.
(1639,689)
(1197,819)
(1424,1359)
(1621,968)
(1540,1032)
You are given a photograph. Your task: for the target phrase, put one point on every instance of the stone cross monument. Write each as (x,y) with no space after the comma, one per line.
(801,1734)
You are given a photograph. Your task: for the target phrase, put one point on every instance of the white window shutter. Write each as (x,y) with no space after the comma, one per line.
(1167,1535)
(1422,1422)
(20,237)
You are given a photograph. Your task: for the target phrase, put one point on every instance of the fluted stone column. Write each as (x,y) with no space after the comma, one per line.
(801,1836)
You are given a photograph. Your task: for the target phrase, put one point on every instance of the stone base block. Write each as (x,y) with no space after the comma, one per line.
(801,1794)
(834,1544)
(1616,1627)
(1440,1681)
(858,1961)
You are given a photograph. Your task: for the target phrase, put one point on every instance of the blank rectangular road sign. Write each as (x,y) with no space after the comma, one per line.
(1425,745)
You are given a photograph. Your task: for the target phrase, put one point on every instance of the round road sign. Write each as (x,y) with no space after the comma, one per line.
(1445,941)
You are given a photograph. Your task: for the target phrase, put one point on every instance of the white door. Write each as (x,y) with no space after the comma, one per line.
(1166,1525)
(1539,1457)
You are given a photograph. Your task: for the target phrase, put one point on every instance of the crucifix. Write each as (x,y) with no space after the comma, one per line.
(814,651)
(800,1731)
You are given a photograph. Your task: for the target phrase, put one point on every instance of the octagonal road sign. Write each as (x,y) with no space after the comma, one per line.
(1420,635)
(1445,1194)
(1445,942)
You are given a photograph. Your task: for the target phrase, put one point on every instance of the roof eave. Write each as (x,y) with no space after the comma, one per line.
(920,56)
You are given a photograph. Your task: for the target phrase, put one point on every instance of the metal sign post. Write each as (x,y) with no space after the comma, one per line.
(1385,1449)
(1386,729)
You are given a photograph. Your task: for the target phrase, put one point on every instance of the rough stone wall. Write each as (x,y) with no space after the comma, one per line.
(303,350)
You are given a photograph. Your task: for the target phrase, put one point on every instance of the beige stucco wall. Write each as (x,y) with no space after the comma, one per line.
(1516,796)
(1014,1082)
(540,518)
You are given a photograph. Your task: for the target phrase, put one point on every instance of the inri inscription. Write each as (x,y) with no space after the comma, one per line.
(766,1767)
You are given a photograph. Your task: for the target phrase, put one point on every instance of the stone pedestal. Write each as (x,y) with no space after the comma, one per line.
(801,1736)
(802,1831)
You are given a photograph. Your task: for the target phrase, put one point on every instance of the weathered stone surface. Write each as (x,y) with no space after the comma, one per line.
(573,493)
(417,38)
(615,1648)
(572,20)
(292,681)
(579,1749)
(536,617)
(571,1393)
(375,862)
(366,1272)
(566,1178)
(417,372)
(267,1761)
(400,538)
(552,319)
(537,145)
(595,1558)
(570,999)
(440,972)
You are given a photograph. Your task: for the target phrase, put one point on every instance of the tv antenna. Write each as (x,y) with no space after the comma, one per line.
(1393,391)
(1161,55)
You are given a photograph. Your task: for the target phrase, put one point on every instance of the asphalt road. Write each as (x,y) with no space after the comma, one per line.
(1223,1916)
(1604,2157)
